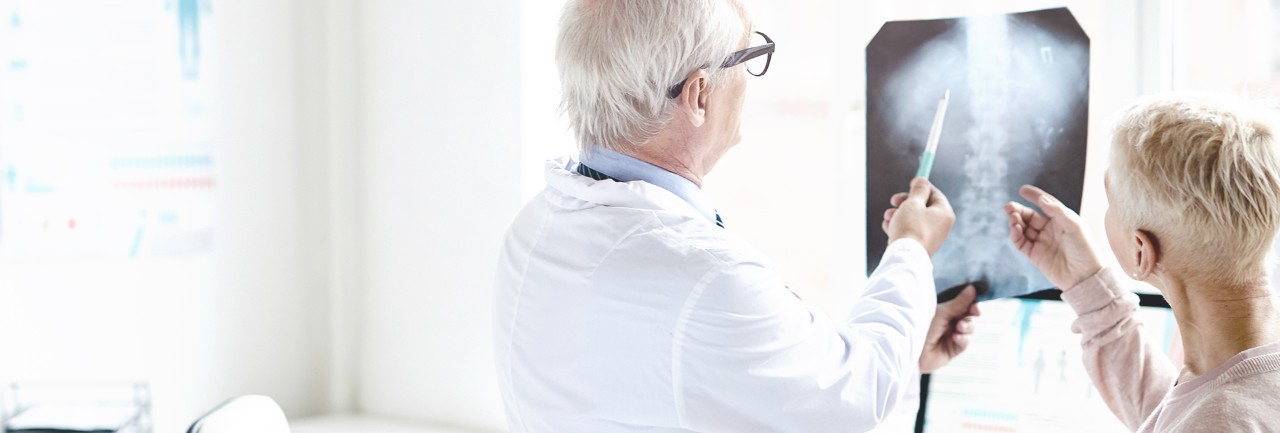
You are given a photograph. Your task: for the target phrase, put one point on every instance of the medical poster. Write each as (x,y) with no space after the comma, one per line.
(1022,372)
(1017,113)
(107,133)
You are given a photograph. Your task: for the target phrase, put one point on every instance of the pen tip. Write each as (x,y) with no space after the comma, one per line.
(947,95)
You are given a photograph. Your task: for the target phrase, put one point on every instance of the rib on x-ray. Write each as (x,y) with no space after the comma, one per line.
(1018,115)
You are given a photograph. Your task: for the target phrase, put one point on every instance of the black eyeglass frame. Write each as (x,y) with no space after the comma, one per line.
(737,58)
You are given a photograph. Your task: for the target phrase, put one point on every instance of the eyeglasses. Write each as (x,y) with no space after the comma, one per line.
(757,59)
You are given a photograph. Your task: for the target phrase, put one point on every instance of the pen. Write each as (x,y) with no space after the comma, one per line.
(935,132)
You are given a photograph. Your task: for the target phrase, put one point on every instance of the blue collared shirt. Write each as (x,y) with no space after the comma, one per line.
(626,168)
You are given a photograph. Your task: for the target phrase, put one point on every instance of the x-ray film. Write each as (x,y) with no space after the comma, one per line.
(1017,114)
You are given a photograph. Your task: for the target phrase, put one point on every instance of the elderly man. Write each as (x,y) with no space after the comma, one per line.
(624,305)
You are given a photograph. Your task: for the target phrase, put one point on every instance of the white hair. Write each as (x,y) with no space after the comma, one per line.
(1203,173)
(619,58)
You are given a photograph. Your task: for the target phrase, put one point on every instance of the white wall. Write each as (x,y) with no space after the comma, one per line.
(440,143)
(271,312)
(328,120)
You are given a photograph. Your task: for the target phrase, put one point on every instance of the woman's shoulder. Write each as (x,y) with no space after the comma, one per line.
(1243,398)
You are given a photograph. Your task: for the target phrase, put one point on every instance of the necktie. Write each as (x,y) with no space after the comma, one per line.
(594,174)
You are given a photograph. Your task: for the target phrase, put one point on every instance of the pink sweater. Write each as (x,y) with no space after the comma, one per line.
(1138,381)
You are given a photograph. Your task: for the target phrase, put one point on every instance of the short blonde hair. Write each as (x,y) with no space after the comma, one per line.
(618,59)
(1200,172)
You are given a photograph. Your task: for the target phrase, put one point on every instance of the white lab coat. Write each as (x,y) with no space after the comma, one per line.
(619,308)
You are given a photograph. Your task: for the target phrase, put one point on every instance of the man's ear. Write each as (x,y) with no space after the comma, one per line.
(693,98)
(1146,253)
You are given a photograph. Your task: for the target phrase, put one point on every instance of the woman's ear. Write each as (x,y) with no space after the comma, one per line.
(1146,254)
(693,97)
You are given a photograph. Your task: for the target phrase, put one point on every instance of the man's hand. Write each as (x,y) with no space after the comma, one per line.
(1055,241)
(923,214)
(949,332)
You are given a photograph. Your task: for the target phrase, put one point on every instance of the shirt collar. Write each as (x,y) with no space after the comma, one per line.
(626,168)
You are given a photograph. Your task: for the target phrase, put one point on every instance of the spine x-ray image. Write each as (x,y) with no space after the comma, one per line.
(1018,114)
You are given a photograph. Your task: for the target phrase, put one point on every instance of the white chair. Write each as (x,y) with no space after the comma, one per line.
(246,414)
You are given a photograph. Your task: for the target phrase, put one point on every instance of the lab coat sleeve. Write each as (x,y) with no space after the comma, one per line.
(748,356)
(903,418)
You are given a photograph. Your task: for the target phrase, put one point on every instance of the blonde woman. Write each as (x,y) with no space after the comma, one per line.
(1194,188)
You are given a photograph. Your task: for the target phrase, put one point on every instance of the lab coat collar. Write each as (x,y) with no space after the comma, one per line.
(637,194)
(627,168)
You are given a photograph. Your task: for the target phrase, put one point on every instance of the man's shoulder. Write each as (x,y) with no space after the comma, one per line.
(696,236)
(657,236)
